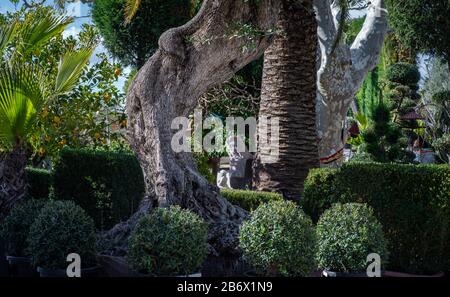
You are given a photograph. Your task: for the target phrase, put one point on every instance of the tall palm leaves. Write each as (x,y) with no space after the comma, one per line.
(24,90)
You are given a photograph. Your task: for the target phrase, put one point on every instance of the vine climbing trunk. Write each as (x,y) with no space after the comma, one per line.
(12,179)
(191,59)
(289,94)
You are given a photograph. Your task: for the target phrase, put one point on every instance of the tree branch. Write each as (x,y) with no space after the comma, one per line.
(368,44)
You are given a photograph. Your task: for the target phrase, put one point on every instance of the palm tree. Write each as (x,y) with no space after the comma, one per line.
(24,90)
(289,93)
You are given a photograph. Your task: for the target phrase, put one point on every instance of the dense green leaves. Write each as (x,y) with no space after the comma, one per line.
(15,228)
(411,201)
(60,229)
(107,185)
(168,242)
(279,239)
(422,25)
(346,235)
(249,200)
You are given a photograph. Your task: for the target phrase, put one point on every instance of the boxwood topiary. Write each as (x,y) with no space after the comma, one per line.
(346,235)
(167,242)
(16,226)
(403,73)
(61,228)
(279,239)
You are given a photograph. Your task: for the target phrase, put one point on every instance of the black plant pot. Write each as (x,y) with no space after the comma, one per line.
(327,273)
(20,266)
(95,271)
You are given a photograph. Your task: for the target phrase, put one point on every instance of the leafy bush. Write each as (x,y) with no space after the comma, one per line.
(16,226)
(249,200)
(346,235)
(279,239)
(411,201)
(403,73)
(39,181)
(168,242)
(107,185)
(61,228)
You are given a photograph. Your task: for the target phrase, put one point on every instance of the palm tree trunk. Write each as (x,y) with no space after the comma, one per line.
(12,179)
(289,93)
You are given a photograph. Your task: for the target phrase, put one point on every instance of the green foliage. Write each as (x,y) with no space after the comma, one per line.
(346,235)
(403,73)
(107,185)
(134,42)
(60,229)
(352,29)
(249,200)
(16,226)
(422,25)
(382,139)
(279,239)
(25,85)
(40,182)
(443,144)
(411,201)
(168,242)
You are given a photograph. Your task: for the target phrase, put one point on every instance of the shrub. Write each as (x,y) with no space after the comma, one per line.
(16,226)
(107,185)
(346,235)
(39,182)
(168,242)
(61,228)
(411,201)
(403,73)
(249,200)
(279,238)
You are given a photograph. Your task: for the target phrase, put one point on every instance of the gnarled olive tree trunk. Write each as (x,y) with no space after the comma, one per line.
(289,93)
(343,71)
(190,60)
(12,179)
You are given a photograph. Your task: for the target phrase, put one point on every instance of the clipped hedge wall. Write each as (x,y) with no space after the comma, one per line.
(249,200)
(107,185)
(411,202)
(39,182)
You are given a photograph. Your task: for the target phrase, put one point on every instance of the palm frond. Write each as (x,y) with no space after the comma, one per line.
(21,98)
(38,29)
(70,69)
(7,33)
(131,8)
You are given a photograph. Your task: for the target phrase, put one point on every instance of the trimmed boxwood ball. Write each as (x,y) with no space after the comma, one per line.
(403,73)
(279,239)
(16,226)
(346,235)
(62,228)
(168,241)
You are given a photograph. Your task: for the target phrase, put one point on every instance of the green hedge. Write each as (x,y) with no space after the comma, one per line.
(411,202)
(107,185)
(39,183)
(249,200)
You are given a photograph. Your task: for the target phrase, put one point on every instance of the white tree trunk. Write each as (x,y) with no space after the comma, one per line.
(342,72)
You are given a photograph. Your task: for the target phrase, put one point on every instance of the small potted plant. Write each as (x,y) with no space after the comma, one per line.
(346,235)
(168,242)
(62,228)
(279,239)
(14,230)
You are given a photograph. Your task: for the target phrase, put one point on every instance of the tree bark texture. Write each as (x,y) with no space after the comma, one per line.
(343,71)
(12,179)
(289,93)
(191,59)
